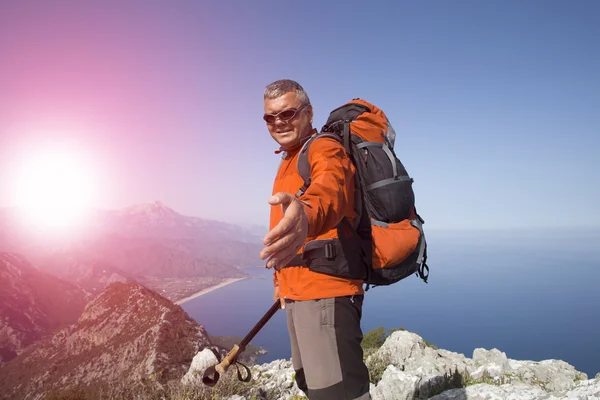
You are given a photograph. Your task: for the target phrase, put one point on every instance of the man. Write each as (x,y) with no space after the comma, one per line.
(323,311)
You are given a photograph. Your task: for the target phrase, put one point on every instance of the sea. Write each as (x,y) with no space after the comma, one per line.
(534,295)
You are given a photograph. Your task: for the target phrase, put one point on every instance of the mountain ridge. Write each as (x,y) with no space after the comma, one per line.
(140,242)
(29,306)
(127,334)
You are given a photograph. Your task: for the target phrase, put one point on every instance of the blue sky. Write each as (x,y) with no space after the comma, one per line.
(495,103)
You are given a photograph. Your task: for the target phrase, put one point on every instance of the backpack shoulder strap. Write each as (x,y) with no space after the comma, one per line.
(303,164)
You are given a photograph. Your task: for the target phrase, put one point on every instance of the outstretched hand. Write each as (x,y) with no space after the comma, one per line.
(288,236)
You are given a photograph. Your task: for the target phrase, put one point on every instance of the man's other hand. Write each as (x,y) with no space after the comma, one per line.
(276,297)
(289,235)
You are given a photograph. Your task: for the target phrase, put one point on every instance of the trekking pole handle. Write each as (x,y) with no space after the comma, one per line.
(229,359)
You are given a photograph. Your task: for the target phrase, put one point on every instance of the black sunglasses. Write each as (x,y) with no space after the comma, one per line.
(284,115)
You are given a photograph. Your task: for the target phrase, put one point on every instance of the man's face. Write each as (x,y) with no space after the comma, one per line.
(289,133)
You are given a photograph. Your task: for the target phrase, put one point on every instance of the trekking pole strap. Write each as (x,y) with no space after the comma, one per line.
(212,373)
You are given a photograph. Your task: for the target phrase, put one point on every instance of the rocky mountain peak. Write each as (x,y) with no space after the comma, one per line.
(156,208)
(121,299)
(151,214)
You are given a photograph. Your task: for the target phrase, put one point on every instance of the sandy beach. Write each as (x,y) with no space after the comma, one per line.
(210,289)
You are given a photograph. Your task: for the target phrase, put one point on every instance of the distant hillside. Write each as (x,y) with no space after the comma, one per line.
(145,240)
(32,304)
(141,256)
(125,336)
(90,273)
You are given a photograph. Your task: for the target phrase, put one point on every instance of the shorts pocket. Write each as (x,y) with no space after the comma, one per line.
(327,311)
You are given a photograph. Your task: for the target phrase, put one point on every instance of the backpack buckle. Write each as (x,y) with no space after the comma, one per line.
(329,251)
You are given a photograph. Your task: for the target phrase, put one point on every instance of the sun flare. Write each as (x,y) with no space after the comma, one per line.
(53,187)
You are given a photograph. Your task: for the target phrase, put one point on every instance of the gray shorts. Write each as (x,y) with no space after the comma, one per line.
(325,337)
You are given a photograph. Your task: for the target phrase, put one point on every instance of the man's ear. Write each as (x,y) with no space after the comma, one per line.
(310,111)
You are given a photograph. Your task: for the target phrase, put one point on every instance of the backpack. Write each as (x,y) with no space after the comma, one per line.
(386,243)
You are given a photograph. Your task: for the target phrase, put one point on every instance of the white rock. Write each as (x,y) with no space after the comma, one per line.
(589,389)
(277,377)
(493,361)
(395,385)
(484,391)
(409,352)
(200,363)
(585,390)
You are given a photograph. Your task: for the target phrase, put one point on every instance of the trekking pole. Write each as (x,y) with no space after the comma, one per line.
(212,373)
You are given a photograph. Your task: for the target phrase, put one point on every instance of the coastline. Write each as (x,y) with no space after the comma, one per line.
(208,290)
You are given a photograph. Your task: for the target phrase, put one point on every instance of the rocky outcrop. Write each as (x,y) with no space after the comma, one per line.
(274,380)
(415,370)
(127,335)
(406,367)
(200,363)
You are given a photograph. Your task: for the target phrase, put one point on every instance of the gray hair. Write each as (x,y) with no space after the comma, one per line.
(283,86)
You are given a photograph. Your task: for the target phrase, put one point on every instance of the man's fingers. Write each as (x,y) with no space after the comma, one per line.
(279,230)
(287,237)
(288,220)
(287,259)
(285,255)
(282,198)
(279,245)
(276,297)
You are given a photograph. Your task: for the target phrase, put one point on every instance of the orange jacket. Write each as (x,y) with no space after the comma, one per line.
(328,199)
